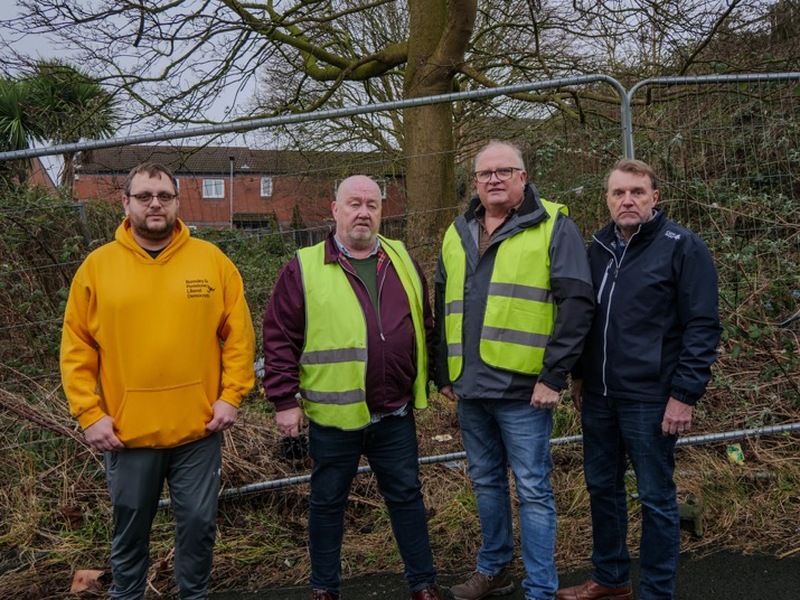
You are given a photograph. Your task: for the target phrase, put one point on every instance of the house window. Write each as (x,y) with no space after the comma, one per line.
(266,187)
(213,188)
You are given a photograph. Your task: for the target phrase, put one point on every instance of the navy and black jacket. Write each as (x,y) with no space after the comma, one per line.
(656,325)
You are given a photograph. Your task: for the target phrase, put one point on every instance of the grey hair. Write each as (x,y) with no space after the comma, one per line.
(498,143)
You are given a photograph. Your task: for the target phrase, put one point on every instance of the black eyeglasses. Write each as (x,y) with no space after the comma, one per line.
(502,174)
(146,198)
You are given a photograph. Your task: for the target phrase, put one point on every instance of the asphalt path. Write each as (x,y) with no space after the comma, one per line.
(720,576)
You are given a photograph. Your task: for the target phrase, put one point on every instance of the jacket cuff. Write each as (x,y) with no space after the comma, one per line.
(684,396)
(231,398)
(554,382)
(284,403)
(90,417)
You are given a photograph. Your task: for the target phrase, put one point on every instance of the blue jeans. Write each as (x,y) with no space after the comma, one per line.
(614,429)
(390,446)
(496,434)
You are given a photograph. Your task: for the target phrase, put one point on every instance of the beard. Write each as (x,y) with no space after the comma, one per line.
(154,233)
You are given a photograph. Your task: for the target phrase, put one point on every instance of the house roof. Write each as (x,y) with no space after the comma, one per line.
(215,160)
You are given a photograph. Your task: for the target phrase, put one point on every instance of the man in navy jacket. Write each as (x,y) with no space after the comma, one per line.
(646,362)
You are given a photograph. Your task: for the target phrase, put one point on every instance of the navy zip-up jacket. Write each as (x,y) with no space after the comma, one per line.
(656,326)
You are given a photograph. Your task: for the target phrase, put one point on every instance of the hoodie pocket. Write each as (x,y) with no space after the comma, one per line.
(163,417)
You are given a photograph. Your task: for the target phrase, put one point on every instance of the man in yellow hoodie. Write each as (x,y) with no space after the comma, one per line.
(156,356)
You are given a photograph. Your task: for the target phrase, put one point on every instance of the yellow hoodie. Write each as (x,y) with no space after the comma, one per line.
(155,342)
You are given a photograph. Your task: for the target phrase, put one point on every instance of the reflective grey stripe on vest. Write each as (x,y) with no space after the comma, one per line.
(455,350)
(455,307)
(339,355)
(523,338)
(523,292)
(346,397)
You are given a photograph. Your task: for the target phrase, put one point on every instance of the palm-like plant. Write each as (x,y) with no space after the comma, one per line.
(18,127)
(54,103)
(70,106)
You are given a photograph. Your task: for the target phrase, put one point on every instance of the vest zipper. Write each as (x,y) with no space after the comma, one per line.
(380,292)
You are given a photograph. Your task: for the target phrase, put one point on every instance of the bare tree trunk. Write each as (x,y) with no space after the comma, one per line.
(440,31)
(68,173)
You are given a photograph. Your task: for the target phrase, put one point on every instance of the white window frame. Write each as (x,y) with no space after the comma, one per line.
(213,188)
(266,186)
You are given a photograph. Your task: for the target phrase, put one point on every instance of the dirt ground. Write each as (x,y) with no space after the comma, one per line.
(720,576)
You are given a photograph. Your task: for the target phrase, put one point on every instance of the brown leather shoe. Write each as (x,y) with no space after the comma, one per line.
(323,595)
(429,592)
(591,590)
(479,586)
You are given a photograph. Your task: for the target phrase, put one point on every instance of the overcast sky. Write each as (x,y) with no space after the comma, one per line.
(39,46)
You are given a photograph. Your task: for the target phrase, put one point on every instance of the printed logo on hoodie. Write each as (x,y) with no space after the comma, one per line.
(198,288)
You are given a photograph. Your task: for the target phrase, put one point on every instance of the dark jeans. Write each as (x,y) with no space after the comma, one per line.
(390,446)
(613,429)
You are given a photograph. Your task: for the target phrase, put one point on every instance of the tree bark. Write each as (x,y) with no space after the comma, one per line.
(439,35)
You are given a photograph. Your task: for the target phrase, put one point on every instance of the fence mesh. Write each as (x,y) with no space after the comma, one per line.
(727,155)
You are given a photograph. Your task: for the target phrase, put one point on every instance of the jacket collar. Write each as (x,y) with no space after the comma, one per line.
(529,212)
(646,231)
(333,252)
(124,236)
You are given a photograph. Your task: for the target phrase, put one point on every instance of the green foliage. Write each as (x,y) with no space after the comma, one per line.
(751,227)
(54,102)
(43,239)
(259,257)
(69,104)
(17,126)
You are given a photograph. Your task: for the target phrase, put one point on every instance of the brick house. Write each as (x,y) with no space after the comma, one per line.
(39,177)
(224,186)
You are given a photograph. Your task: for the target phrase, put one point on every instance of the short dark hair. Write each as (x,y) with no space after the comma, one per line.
(151,169)
(637,167)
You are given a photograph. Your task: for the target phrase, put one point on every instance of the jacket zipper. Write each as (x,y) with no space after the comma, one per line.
(617,265)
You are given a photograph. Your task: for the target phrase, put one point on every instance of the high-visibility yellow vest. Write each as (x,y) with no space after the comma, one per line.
(520,311)
(334,358)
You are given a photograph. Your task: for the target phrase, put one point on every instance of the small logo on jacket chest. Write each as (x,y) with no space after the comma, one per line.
(672,235)
(198,288)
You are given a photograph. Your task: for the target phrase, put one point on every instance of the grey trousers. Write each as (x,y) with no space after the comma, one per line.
(135,479)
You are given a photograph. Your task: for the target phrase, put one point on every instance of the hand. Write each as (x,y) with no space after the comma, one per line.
(100,435)
(290,421)
(224,416)
(677,417)
(577,394)
(544,397)
(447,392)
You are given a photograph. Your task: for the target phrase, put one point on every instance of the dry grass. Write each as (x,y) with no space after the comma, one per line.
(56,515)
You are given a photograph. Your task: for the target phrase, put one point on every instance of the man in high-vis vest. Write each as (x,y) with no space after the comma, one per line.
(346,337)
(513,305)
